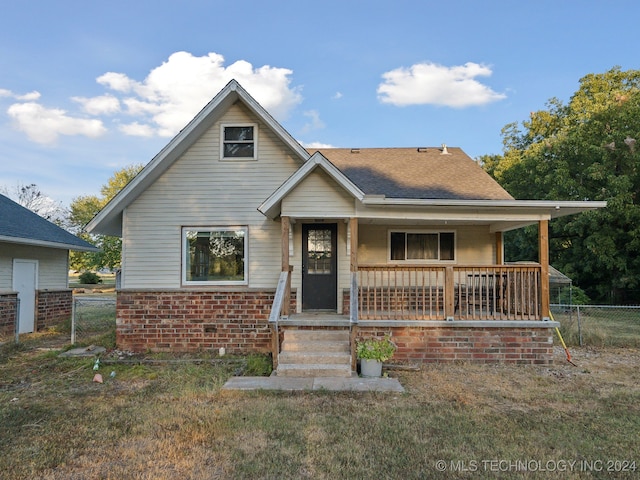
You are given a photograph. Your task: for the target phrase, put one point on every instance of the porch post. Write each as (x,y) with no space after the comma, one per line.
(449,294)
(353,228)
(353,292)
(543,252)
(285,226)
(499,248)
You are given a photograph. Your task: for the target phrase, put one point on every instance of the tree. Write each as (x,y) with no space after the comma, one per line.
(585,150)
(30,196)
(83,209)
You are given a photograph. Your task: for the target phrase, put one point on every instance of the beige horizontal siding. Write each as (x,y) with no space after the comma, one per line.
(200,190)
(318,196)
(474,244)
(53,266)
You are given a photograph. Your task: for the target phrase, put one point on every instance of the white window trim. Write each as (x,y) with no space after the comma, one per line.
(255,142)
(216,228)
(428,261)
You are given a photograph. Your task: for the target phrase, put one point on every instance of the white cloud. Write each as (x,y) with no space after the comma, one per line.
(317,145)
(116,81)
(337,96)
(101,105)
(27,97)
(136,129)
(314,121)
(159,105)
(44,125)
(429,83)
(173,93)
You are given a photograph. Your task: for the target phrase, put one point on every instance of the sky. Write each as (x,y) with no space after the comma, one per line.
(87,88)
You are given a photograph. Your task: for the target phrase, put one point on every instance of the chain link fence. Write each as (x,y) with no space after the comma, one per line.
(92,317)
(599,325)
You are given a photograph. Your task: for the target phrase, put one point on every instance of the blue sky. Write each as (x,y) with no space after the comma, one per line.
(87,88)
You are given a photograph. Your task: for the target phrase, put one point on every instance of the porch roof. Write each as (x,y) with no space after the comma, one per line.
(410,185)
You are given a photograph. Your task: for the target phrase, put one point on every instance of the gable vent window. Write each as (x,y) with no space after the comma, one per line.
(421,246)
(239,142)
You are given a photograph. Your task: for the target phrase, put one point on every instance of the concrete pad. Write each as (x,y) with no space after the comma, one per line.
(357,384)
(333,384)
(269,383)
(83,351)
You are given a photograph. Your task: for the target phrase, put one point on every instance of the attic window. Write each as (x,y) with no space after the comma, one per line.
(239,141)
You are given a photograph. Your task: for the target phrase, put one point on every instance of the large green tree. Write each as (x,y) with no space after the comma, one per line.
(584,150)
(83,209)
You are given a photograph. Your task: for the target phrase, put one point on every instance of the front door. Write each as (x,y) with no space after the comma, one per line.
(25,275)
(319,267)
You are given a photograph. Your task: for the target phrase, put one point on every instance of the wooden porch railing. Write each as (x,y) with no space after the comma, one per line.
(417,292)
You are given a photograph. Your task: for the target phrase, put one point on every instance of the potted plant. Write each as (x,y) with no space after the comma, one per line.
(372,352)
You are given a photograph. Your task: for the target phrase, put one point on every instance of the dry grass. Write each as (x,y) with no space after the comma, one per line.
(174,421)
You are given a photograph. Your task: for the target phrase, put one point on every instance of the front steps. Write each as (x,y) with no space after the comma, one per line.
(315,353)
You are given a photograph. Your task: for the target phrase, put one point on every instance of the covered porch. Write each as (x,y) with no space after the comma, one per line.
(409,291)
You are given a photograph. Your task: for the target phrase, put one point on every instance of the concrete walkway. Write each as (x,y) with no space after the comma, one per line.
(334,384)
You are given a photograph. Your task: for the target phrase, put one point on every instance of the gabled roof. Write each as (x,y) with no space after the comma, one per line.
(423,179)
(20,225)
(416,173)
(109,220)
(271,206)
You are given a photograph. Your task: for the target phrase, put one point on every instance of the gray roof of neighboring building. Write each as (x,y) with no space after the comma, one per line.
(20,225)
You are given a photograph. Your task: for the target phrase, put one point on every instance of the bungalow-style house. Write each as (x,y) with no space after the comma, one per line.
(236,236)
(34,269)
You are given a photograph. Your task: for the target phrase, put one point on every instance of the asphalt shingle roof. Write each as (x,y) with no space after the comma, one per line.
(416,173)
(20,225)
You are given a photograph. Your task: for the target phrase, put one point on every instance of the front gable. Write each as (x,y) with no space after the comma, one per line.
(318,196)
(109,220)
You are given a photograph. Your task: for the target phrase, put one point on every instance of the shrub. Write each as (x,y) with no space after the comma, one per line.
(89,278)
(380,349)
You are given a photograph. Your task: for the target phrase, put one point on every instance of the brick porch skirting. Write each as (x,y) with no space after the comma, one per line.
(488,342)
(189,320)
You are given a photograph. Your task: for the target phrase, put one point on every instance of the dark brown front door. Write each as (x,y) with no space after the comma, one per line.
(319,267)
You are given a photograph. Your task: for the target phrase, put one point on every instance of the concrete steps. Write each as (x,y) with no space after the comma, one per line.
(315,353)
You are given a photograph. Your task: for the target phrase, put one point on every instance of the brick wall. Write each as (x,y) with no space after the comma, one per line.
(53,307)
(195,320)
(520,345)
(8,306)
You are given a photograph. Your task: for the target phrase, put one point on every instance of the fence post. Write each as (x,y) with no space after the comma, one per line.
(579,326)
(17,321)
(73,322)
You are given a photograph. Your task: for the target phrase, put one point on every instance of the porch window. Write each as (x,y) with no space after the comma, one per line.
(412,246)
(239,141)
(215,255)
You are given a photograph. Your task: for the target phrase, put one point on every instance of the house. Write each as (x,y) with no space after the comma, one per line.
(34,269)
(236,236)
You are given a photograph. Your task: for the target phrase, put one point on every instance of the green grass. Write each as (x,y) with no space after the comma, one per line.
(172,420)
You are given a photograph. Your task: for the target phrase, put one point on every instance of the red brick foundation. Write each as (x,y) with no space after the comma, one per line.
(185,320)
(8,306)
(52,307)
(522,345)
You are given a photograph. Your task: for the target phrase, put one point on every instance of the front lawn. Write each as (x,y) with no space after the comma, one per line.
(172,420)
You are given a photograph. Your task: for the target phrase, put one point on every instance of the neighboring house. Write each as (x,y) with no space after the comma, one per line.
(34,268)
(235,236)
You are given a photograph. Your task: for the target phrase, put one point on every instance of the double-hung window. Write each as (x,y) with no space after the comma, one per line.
(421,246)
(215,255)
(239,141)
